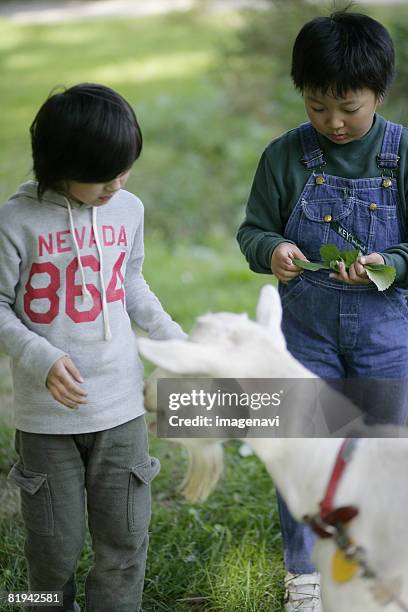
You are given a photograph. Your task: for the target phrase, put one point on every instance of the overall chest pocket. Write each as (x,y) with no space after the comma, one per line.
(385,227)
(327,221)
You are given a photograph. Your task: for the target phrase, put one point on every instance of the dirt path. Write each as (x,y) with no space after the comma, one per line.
(50,11)
(44,11)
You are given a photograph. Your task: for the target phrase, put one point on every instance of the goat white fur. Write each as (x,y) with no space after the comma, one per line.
(376,481)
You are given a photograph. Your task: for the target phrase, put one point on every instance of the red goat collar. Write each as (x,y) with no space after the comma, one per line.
(324,524)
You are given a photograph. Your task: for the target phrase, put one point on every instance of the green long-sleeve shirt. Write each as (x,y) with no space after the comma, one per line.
(280,179)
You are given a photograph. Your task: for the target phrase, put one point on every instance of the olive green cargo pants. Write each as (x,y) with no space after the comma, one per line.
(109,472)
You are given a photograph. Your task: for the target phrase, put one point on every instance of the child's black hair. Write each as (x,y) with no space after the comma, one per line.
(346,51)
(87,133)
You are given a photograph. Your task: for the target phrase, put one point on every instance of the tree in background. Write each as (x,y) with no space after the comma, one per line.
(258,74)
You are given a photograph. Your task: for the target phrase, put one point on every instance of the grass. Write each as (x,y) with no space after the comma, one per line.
(192,280)
(216,540)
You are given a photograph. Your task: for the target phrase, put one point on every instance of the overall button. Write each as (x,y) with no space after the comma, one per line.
(373,206)
(387,182)
(327,218)
(319,180)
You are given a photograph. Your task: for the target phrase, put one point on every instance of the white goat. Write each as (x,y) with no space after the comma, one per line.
(375,481)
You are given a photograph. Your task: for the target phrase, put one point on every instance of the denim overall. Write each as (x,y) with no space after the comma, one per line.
(342,331)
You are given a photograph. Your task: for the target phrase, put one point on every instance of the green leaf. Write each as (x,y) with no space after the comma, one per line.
(374,266)
(329,252)
(381,275)
(334,265)
(309,265)
(349,257)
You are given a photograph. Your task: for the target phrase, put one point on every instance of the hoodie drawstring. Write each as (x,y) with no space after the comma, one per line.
(108,333)
(85,291)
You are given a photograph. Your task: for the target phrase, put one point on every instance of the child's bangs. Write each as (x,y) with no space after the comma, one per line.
(338,86)
(339,79)
(107,153)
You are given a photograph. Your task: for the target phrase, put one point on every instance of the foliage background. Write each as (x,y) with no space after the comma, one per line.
(210,91)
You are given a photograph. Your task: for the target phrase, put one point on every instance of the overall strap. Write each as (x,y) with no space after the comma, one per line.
(389,158)
(313,156)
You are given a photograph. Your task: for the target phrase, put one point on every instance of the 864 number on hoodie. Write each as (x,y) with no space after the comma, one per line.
(72,290)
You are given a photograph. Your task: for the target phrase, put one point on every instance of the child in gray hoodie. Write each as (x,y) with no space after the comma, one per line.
(71,254)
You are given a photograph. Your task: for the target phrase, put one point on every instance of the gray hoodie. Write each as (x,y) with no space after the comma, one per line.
(70,283)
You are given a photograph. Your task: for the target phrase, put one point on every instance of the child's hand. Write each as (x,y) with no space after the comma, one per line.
(281,263)
(62,386)
(356,274)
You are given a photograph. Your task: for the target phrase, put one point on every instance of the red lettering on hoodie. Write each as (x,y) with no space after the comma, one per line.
(43,244)
(105,229)
(62,246)
(60,242)
(122,236)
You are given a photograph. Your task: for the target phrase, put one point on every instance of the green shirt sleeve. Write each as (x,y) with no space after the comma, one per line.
(262,230)
(397,255)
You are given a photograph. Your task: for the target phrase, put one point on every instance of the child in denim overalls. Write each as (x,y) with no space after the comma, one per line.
(341,179)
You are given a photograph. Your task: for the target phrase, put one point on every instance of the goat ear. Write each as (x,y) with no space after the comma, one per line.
(269,312)
(179,356)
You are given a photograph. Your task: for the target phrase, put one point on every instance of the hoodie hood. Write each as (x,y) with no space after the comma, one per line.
(29,190)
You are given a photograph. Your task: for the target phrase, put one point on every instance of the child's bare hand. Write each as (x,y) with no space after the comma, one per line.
(62,386)
(282,265)
(356,274)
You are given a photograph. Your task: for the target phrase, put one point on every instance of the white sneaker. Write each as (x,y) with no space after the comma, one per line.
(302,593)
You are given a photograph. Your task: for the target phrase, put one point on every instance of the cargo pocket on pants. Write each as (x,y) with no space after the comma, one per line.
(36,506)
(139,499)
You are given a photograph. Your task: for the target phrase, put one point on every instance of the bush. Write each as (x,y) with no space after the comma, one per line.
(397,99)
(258,63)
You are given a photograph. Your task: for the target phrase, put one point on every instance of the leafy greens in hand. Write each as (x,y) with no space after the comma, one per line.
(380,274)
